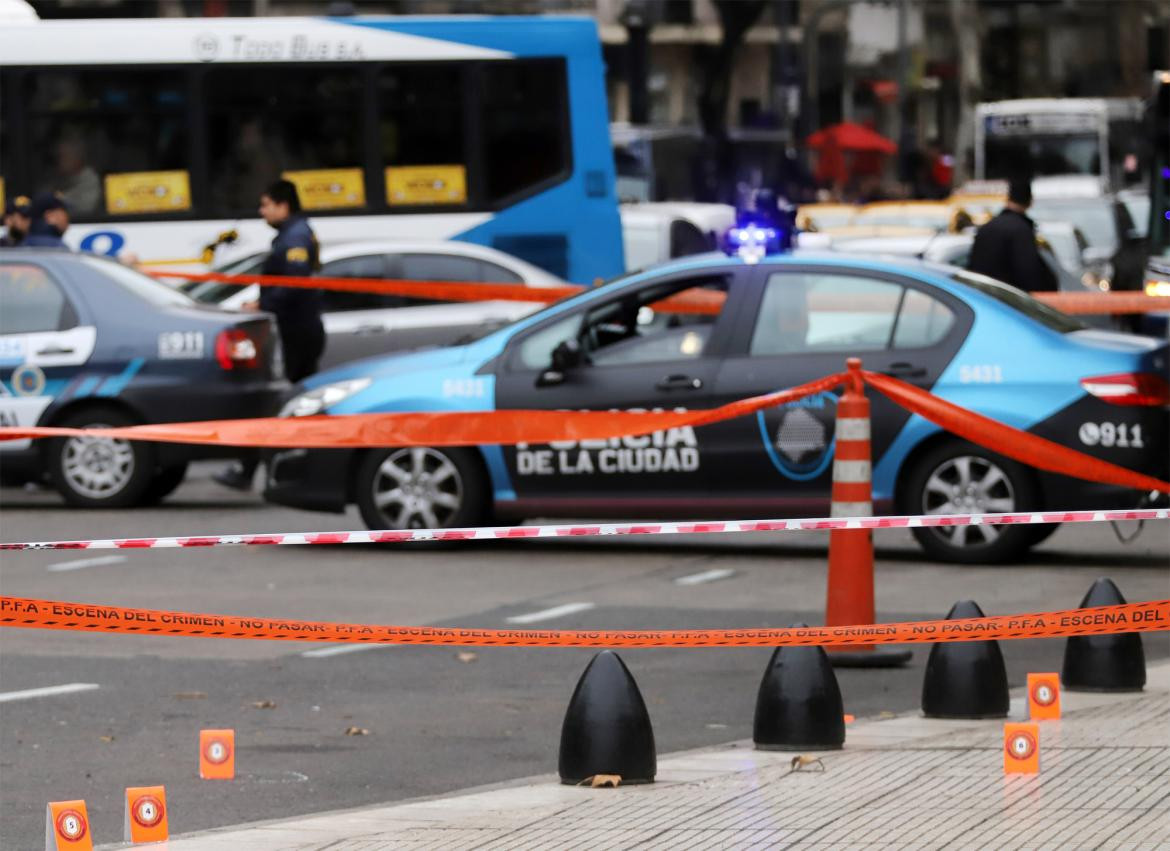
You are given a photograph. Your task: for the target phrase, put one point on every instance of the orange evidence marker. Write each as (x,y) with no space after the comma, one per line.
(1021,748)
(217,754)
(146,814)
(67,827)
(1043,697)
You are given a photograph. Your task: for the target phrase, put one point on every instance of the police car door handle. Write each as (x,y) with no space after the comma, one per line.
(679,382)
(369,329)
(55,350)
(902,369)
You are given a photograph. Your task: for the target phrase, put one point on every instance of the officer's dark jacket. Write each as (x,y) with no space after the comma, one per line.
(294,252)
(44,235)
(11,240)
(1005,249)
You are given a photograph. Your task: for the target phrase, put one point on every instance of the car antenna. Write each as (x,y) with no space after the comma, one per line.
(922,252)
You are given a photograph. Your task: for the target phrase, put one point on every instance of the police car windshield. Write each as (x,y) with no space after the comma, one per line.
(141,285)
(1018,300)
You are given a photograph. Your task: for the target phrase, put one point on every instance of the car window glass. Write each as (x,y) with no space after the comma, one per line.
(365,266)
(495,274)
(535,352)
(31,301)
(439,267)
(824,312)
(142,286)
(1018,300)
(922,321)
(662,323)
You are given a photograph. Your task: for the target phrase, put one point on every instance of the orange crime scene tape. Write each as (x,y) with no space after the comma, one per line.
(507,427)
(27,613)
(436,428)
(691,301)
(1024,447)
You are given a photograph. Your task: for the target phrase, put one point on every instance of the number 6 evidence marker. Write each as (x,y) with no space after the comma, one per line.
(146,814)
(1021,748)
(217,754)
(67,827)
(1043,697)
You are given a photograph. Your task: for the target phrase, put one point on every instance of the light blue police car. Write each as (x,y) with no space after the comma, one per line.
(767,322)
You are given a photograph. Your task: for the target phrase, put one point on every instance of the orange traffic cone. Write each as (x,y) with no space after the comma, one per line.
(850,584)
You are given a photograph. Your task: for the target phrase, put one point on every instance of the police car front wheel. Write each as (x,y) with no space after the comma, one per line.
(421,488)
(95,472)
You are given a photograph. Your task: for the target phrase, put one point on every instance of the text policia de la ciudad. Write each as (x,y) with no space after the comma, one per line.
(51,614)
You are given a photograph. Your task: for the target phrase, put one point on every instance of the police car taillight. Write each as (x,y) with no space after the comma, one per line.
(1129,388)
(234,349)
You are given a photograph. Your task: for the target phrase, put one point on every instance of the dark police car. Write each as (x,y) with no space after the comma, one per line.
(703,331)
(86,341)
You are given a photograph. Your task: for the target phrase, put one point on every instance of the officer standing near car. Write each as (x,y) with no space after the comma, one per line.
(298,310)
(17,219)
(50,220)
(1005,248)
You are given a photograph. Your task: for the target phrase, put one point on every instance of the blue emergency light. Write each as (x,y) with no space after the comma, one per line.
(768,228)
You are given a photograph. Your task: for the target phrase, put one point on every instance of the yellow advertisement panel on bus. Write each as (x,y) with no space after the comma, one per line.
(329,188)
(148,192)
(426,184)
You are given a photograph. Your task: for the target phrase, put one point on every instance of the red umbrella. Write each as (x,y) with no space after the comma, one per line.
(851,137)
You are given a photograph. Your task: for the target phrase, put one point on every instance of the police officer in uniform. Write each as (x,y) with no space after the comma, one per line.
(17,220)
(297,310)
(50,220)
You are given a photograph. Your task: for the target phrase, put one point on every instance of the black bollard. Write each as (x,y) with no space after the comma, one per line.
(965,679)
(1104,662)
(607,728)
(798,706)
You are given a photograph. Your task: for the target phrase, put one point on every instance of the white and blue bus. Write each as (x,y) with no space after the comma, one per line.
(161,133)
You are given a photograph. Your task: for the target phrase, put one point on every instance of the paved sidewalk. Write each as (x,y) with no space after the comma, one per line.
(900,782)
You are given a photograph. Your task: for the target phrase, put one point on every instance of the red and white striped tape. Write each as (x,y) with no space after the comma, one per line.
(593,530)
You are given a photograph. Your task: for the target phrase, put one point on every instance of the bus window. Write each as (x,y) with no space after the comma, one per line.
(265,120)
(84,125)
(523,114)
(420,123)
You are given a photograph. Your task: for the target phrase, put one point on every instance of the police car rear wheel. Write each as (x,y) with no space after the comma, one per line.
(961,478)
(420,488)
(94,472)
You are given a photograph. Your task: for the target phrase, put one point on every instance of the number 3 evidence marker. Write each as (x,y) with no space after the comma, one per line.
(1043,697)
(217,754)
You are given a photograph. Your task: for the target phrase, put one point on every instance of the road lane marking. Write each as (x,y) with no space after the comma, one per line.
(47,691)
(323,652)
(81,563)
(549,614)
(706,576)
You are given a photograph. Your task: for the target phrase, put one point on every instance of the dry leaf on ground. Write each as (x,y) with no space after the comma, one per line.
(356,731)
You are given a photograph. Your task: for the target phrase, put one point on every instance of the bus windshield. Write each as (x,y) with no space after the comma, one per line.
(1042,156)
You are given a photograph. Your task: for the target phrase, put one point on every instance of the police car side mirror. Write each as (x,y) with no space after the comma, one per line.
(566,356)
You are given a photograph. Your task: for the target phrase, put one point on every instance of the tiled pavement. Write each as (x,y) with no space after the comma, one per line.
(904,782)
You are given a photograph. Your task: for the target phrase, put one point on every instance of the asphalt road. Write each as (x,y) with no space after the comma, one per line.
(437,719)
